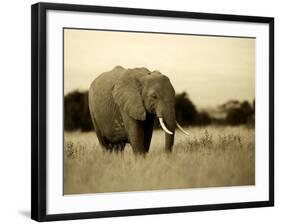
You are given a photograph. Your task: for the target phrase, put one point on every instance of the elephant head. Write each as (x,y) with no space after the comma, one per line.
(140,93)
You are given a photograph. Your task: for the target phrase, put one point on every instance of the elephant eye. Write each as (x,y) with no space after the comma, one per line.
(154,96)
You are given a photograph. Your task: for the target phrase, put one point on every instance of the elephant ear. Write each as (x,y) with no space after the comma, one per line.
(126,94)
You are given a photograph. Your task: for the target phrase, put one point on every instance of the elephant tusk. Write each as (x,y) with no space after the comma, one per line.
(181,129)
(164,127)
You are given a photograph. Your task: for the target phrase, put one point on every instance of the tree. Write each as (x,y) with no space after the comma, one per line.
(203,118)
(76,112)
(186,112)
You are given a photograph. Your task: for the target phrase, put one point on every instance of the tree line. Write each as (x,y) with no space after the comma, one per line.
(77,114)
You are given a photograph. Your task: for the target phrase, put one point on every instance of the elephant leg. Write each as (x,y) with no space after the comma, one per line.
(119,147)
(148,129)
(135,133)
(101,139)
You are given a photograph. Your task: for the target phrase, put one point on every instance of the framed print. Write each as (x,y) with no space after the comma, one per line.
(139,111)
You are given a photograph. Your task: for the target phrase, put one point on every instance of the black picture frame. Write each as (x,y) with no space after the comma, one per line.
(39,122)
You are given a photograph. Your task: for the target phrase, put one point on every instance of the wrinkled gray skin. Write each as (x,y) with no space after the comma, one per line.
(124,104)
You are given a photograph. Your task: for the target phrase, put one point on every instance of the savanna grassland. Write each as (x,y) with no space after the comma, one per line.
(211,156)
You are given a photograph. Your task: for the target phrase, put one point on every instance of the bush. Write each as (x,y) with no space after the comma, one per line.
(241,115)
(76,112)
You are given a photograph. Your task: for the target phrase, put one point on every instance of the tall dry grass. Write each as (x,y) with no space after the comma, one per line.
(210,157)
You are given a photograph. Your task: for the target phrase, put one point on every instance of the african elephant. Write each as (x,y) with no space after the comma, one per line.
(123,105)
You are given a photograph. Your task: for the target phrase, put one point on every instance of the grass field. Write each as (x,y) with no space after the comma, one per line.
(210,157)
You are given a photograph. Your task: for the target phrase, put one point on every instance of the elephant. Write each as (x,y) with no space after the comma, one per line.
(124,104)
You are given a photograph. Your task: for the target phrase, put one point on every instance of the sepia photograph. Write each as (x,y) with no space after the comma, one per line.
(150,111)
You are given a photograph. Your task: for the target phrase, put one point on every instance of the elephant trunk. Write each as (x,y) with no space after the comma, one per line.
(168,124)
(169,139)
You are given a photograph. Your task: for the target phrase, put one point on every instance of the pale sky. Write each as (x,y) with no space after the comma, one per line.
(210,69)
